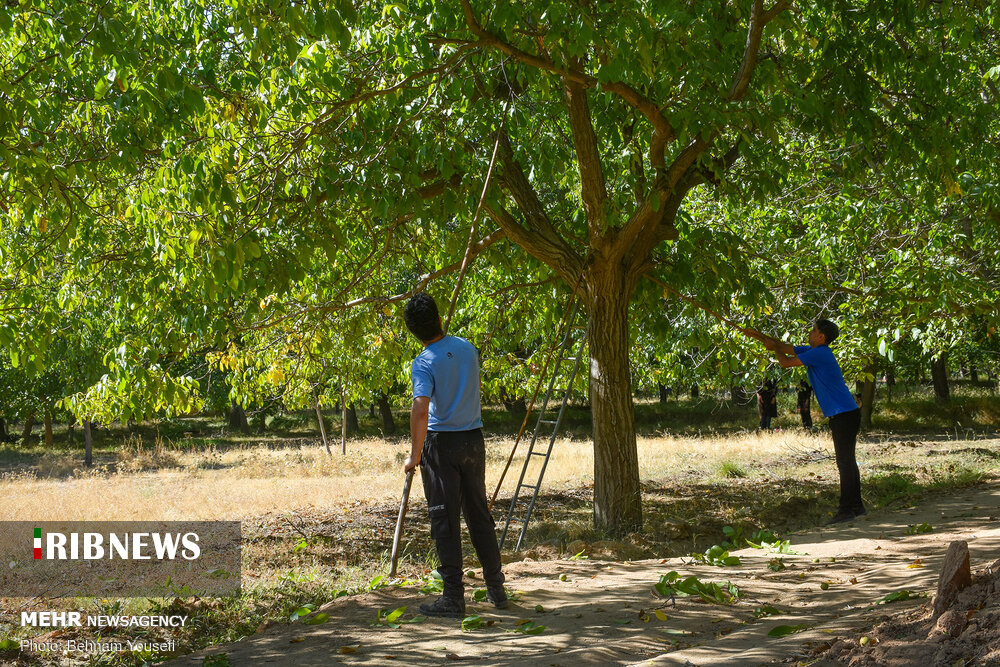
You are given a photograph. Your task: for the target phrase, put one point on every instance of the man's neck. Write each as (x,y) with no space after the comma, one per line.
(427,343)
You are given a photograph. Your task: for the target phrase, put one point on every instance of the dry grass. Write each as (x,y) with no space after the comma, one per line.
(162,483)
(692,487)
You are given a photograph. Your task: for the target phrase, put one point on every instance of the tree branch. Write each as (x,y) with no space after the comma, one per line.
(421,283)
(558,256)
(588,159)
(528,202)
(663,131)
(758,19)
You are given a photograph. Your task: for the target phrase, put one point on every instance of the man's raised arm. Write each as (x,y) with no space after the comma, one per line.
(770,343)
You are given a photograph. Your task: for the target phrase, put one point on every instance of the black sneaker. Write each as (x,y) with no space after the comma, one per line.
(444,606)
(498,596)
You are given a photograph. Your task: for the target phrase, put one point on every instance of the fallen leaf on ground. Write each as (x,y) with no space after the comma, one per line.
(785,630)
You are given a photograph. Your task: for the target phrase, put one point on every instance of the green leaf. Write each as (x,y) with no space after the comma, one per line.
(304,610)
(785,630)
(101,88)
(764,611)
(391,618)
(322,617)
(526,627)
(470,623)
(899,596)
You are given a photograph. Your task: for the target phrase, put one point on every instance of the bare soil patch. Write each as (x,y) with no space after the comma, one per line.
(605,612)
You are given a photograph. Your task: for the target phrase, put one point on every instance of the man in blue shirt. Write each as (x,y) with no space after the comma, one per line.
(836,401)
(446,431)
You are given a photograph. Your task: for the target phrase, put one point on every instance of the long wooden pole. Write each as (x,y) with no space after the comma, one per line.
(397,536)
(753,333)
(394,560)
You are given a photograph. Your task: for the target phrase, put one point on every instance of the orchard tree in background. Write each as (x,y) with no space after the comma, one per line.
(205,170)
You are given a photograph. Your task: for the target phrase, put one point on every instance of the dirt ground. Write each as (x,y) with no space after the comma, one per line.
(608,613)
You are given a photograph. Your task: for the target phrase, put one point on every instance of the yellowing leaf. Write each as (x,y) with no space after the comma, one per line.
(660,614)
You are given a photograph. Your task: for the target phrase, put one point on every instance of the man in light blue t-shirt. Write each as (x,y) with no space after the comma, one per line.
(446,431)
(836,401)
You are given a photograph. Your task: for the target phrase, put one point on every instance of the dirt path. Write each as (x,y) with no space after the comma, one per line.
(605,612)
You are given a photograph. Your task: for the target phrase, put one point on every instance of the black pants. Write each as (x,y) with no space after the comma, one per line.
(453,469)
(845,427)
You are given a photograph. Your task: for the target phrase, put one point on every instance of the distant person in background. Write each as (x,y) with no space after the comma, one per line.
(767,403)
(836,401)
(804,404)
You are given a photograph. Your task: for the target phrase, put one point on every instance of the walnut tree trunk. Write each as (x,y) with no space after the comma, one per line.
(385,411)
(939,378)
(88,445)
(238,418)
(29,424)
(617,499)
(351,417)
(49,439)
(867,399)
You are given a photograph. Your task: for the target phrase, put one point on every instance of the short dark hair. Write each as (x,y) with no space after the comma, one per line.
(422,318)
(829,330)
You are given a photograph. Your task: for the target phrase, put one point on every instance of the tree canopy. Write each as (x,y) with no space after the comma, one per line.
(265,182)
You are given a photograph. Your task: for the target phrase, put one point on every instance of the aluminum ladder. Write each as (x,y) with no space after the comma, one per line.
(565,346)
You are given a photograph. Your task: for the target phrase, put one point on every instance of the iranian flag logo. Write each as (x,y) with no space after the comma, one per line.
(38,543)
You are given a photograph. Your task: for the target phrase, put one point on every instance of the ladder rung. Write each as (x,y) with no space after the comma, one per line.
(537,454)
(526,486)
(569,358)
(547,421)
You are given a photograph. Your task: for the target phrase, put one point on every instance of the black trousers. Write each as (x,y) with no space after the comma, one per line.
(453,469)
(845,427)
